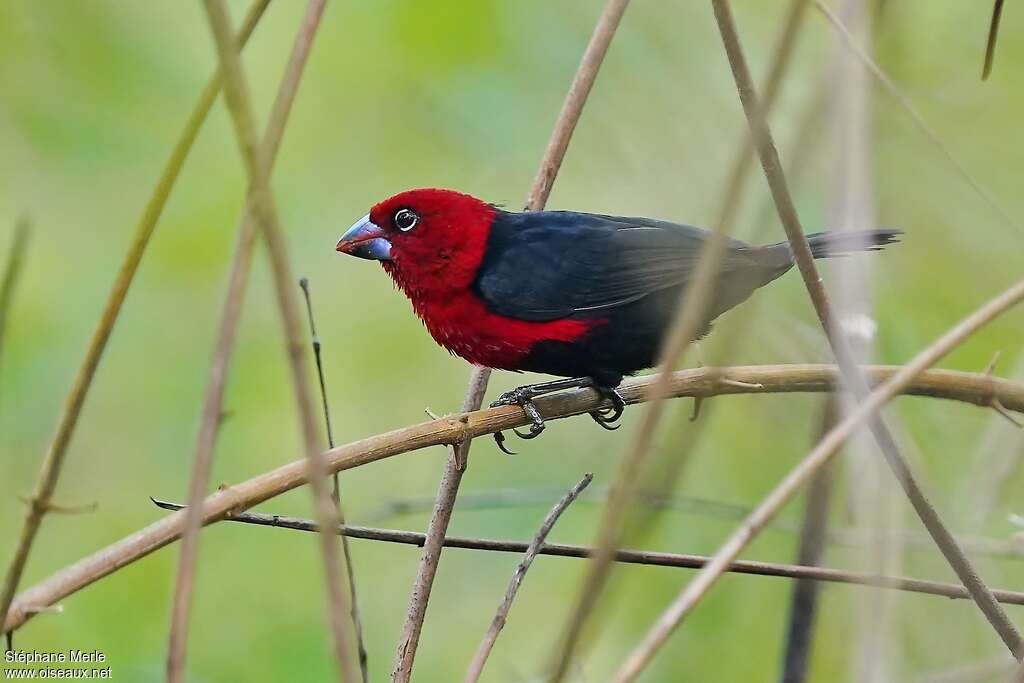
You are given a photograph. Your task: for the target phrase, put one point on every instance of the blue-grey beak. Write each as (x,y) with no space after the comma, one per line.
(365,239)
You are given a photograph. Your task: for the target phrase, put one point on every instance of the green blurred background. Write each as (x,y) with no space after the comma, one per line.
(463,95)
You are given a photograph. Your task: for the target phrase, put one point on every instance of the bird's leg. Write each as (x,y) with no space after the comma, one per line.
(523,397)
(529,392)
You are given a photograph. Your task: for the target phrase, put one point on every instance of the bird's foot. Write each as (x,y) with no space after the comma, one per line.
(522,397)
(608,416)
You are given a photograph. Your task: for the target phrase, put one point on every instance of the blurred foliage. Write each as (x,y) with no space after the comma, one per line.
(447,93)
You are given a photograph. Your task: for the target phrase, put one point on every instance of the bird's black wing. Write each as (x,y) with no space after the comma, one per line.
(549,265)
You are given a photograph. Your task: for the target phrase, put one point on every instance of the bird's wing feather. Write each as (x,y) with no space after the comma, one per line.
(556,264)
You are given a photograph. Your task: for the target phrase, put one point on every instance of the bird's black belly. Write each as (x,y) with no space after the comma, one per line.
(626,342)
(630,337)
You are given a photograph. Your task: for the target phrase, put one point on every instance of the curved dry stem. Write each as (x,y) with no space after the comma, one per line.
(803,599)
(551,162)
(993,35)
(865,411)
(575,99)
(444,504)
(974,388)
(801,250)
(12,270)
(894,91)
(53,461)
(476,666)
(236,93)
(346,551)
(686,320)
(213,401)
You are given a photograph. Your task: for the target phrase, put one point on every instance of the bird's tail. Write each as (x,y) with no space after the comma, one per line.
(846,242)
(776,259)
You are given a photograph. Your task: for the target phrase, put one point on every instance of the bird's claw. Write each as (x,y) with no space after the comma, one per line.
(536,422)
(522,397)
(532,434)
(608,416)
(499,439)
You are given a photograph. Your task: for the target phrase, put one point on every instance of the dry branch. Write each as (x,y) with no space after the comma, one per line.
(689,597)
(53,461)
(866,410)
(686,319)
(551,162)
(448,489)
(901,99)
(997,453)
(213,401)
(775,176)
(851,537)
(314,340)
(993,35)
(974,388)
(236,94)
(870,497)
(803,603)
(575,99)
(346,551)
(641,557)
(476,667)
(12,270)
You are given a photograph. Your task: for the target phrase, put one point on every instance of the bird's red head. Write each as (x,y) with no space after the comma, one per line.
(428,240)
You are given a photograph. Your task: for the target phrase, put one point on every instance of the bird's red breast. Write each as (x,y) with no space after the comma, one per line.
(461,323)
(436,264)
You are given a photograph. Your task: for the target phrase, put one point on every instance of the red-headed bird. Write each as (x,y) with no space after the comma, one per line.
(578,295)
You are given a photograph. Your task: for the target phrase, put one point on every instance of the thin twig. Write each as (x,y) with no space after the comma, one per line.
(357,621)
(444,504)
(597,495)
(801,250)
(12,270)
(851,207)
(642,557)
(972,388)
(265,211)
(315,342)
(819,456)
(894,91)
(551,162)
(56,508)
(476,667)
(993,35)
(687,318)
(53,461)
(213,402)
(575,99)
(997,454)
(803,606)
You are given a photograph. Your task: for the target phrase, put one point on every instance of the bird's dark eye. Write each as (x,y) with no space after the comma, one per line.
(405,219)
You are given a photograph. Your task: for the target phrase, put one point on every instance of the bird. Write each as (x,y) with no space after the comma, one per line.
(582,296)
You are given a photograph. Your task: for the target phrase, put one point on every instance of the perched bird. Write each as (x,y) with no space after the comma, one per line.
(577,295)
